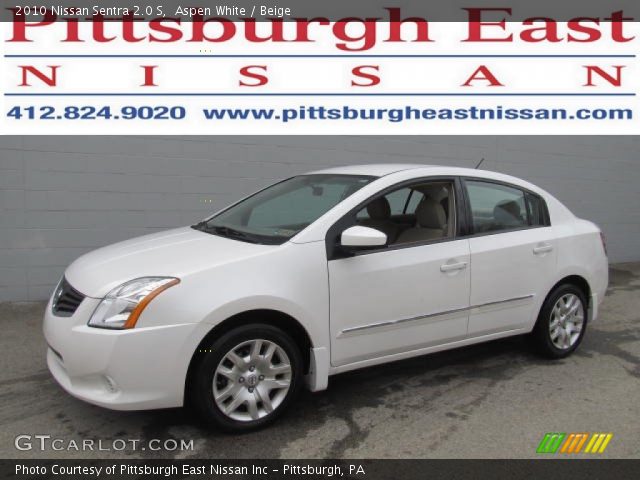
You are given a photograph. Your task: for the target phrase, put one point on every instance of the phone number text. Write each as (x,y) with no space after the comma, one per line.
(90,112)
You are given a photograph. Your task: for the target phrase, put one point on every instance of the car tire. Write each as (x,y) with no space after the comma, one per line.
(246,378)
(562,322)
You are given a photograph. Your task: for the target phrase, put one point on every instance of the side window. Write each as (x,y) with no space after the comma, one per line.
(418,213)
(414,201)
(496,208)
(398,200)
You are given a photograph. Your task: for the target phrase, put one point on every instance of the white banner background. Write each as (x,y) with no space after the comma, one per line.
(554,82)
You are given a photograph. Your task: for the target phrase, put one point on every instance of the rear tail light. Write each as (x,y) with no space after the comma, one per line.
(604,243)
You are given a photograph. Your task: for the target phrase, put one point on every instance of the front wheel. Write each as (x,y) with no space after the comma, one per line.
(247,378)
(562,322)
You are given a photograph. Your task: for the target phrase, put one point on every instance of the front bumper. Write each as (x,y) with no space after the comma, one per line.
(137,369)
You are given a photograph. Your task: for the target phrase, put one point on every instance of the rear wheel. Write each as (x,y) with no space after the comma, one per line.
(562,322)
(245,379)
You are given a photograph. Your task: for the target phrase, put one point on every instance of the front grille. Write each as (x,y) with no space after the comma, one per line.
(66,299)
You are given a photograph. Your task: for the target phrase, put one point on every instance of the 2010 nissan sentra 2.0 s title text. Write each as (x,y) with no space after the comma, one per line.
(320,274)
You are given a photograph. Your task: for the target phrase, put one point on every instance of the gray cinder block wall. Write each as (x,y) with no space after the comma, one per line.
(63,196)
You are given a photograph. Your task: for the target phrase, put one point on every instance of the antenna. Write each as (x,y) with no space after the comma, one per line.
(479,163)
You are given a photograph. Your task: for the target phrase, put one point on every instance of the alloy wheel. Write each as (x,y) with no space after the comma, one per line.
(252,380)
(566,321)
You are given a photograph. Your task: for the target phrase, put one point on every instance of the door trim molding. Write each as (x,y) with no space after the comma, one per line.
(401,321)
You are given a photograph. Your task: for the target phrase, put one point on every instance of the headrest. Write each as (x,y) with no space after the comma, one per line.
(434,191)
(507,212)
(379,209)
(430,214)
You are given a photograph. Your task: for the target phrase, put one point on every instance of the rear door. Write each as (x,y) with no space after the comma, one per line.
(513,255)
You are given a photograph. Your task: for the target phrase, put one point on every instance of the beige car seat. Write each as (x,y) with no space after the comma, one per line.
(431,223)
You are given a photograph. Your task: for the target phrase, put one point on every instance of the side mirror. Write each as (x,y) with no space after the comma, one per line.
(361,238)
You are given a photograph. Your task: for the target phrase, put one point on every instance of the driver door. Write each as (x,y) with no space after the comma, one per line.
(401,298)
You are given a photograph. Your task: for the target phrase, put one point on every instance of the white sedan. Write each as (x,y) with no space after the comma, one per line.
(320,274)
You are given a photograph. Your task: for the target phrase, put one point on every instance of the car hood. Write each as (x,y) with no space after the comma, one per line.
(173,253)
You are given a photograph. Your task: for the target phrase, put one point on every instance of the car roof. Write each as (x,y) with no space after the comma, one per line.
(384,169)
(374,170)
(417,170)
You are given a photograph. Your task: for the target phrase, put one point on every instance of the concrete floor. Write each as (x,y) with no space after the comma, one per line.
(495,400)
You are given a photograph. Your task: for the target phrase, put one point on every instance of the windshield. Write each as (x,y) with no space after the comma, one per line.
(279,212)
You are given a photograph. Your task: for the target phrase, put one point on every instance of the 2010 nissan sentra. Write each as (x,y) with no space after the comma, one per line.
(320,274)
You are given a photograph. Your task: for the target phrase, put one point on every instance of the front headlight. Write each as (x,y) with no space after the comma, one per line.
(123,305)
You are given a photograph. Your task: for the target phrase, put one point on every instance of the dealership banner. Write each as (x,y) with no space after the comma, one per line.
(318,469)
(280,69)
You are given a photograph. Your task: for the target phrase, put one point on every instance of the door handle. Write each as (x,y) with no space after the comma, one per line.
(451,267)
(542,249)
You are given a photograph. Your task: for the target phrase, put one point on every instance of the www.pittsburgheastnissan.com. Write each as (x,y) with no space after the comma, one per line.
(49,443)
(317,113)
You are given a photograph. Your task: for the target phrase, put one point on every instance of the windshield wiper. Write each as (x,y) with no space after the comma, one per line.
(231,233)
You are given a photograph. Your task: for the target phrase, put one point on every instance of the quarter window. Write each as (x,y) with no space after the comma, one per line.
(496,208)
(537,210)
